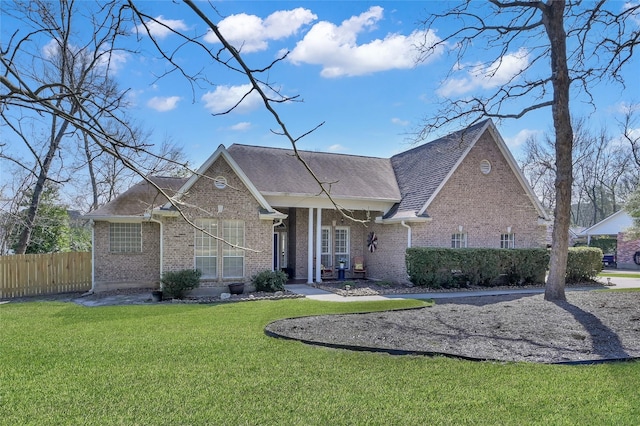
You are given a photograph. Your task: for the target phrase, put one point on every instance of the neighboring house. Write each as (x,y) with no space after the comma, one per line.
(462,190)
(615,226)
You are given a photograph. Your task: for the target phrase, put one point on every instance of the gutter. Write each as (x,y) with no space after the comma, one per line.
(93,256)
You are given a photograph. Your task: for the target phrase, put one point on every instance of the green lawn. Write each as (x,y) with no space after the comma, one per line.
(212,364)
(625,274)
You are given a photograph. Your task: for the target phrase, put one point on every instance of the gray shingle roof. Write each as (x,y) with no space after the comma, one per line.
(278,171)
(421,170)
(140,197)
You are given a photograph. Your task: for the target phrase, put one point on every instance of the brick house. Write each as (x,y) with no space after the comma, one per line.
(462,190)
(615,226)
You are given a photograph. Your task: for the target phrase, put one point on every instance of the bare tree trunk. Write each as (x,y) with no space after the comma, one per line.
(25,235)
(553,19)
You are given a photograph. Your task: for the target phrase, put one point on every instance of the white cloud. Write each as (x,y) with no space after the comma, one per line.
(226,97)
(158,28)
(626,108)
(336,48)
(482,76)
(251,33)
(521,137)
(337,148)
(242,126)
(163,104)
(399,121)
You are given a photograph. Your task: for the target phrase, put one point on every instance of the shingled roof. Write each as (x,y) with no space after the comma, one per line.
(140,198)
(276,171)
(405,183)
(422,170)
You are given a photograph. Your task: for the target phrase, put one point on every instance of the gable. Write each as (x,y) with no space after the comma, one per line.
(208,173)
(423,171)
(488,193)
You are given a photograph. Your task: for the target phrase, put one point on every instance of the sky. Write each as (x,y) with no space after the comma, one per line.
(351,63)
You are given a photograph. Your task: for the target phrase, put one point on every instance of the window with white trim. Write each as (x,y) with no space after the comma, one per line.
(458,240)
(233,257)
(341,245)
(206,247)
(125,238)
(507,241)
(325,247)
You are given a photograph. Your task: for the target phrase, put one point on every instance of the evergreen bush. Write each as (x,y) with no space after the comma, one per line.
(269,281)
(176,284)
(583,264)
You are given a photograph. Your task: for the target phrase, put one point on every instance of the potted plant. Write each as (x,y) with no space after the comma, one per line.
(236,288)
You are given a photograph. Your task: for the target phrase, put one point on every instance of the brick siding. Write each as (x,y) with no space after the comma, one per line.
(626,250)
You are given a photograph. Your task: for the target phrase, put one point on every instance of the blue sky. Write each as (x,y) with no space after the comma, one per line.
(352,64)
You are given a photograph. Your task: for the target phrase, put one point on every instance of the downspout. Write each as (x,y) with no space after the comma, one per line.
(93,256)
(151,219)
(408,233)
(276,250)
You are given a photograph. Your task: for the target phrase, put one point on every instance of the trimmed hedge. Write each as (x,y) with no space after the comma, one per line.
(447,268)
(452,268)
(583,263)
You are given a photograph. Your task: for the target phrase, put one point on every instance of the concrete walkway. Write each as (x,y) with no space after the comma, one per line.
(327,296)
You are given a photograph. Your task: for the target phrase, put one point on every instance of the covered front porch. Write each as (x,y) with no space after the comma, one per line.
(312,243)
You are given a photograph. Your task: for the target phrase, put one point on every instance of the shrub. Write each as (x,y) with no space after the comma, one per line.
(176,284)
(583,263)
(444,267)
(269,281)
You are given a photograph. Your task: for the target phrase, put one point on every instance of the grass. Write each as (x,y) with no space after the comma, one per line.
(623,274)
(65,364)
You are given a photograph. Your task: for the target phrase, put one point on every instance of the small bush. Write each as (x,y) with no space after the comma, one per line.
(583,264)
(269,281)
(176,284)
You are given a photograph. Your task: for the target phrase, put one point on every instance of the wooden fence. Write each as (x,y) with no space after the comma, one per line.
(38,274)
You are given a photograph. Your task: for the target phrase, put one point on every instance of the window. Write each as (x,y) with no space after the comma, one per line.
(206,248)
(232,257)
(125,237)
(341,245)
(325,255)
(507,241)
(458,240)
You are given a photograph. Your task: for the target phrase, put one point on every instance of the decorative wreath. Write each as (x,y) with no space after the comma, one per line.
(372,241)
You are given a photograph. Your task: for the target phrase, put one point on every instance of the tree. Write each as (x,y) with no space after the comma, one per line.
(51,230)
(602,166)
(65,91)
(596,31)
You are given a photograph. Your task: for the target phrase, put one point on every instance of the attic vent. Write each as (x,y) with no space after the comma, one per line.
(220,182)
(485,167)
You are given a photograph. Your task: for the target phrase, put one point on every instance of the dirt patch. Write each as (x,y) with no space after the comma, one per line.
(590,326)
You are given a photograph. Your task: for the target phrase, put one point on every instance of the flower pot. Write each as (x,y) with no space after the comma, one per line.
(236,288)
(156,295)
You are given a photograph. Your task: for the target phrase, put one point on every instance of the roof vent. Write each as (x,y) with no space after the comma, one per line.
(220,182)
(485,167)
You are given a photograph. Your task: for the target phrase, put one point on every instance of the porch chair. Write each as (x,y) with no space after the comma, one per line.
(358,266)
(326,272)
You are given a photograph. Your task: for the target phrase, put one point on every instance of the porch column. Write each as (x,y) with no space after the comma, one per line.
(310,248)
(319,246)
